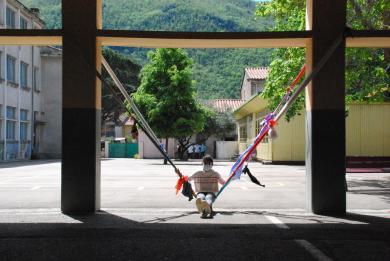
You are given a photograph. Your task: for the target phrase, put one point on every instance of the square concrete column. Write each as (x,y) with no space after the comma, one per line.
(325,110)
(81,97)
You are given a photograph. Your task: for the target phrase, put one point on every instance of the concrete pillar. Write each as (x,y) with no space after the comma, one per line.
(325,105)
(81,107)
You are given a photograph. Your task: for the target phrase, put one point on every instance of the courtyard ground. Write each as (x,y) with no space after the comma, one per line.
(143,219)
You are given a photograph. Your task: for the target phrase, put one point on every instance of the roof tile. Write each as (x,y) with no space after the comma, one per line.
(223,105)
(259,73)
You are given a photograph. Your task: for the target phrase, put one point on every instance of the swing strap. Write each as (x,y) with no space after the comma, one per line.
(252,178)
(272,118)
(140,120)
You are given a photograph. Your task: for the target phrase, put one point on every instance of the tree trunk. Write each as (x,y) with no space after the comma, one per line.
(181,153)
(166,150)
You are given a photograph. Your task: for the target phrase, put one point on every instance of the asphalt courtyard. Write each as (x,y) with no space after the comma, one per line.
(143,219)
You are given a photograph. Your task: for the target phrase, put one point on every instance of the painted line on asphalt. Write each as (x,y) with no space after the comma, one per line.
(315,252)
(140,188)
(6,181)
(36,187)
(276,222)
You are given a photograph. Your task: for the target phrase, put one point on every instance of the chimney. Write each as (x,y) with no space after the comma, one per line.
(35,11)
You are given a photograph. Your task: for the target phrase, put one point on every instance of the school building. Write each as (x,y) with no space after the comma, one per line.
(30,91)
(367,126)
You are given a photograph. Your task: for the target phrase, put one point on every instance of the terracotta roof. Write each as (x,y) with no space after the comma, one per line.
(223,105)
(259,73)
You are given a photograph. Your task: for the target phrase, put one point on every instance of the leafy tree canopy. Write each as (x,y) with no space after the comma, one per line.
(220,124)
(127,72)
(366,77)
(166,95)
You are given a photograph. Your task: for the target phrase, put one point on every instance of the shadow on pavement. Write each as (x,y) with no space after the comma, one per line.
(107,236)
(373,187)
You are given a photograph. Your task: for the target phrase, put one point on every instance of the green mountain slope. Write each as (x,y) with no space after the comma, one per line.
(218,72)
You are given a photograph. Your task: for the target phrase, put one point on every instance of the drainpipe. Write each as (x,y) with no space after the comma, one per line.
(32,98)
(32,103)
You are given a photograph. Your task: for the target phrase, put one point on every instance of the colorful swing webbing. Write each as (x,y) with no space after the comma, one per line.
(284,105)
(268,123)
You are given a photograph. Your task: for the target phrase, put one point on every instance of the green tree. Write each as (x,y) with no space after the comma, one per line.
(219,124)
(366,77)
(166,96)
(127,72)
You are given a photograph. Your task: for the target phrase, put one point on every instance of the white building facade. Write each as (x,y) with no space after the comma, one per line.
(21,101)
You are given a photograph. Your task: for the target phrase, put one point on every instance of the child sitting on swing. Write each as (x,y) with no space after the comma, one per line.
(206,185)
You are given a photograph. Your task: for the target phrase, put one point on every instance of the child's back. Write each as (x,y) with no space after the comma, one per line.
(206,185)
(206,181)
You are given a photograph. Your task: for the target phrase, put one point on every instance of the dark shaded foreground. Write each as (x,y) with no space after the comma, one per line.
(106,236)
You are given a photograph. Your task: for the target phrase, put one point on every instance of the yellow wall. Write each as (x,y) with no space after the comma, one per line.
(264,151)
(368,130)
(290,143)
(367,133)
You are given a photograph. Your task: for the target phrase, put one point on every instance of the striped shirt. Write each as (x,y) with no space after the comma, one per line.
(206,181)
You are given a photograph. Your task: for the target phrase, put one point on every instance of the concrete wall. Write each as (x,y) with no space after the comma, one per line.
(246,90)
(226,149)
(52,93)
(148,151)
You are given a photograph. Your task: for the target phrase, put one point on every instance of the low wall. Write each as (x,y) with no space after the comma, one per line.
(226,149)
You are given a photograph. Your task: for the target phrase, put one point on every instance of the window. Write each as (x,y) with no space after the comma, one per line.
(249,126)
(23,23)
(23,74)
(243,130)
(257,128)
(10,18)
(11,123)
(259,118)
(36,82)
(255,87)
(23,115)
(11,114)
(11,68)
(243,133)
(23,124)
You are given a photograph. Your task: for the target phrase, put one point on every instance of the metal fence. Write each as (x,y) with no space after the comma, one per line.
(122,150)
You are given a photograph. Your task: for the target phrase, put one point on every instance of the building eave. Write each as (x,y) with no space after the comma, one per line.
(255,104)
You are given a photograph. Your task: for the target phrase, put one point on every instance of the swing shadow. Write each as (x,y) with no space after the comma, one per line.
(109,236)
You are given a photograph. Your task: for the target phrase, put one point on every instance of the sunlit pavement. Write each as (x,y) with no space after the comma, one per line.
(129,183)
(143,219)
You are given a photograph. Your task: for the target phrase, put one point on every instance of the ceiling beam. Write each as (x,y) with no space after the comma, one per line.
(202,43)
(30,37)
(149,39)
(369,38)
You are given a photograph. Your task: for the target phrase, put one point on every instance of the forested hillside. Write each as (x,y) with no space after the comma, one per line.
(217,72)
